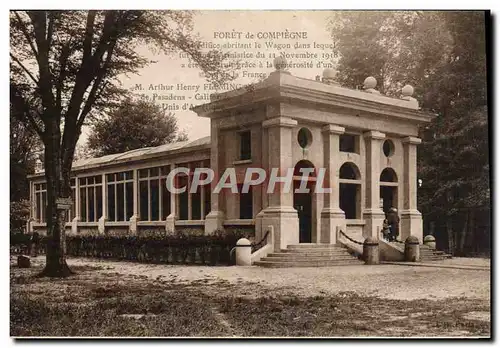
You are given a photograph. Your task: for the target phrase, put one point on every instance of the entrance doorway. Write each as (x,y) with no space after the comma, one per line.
(389,189)
(302,201)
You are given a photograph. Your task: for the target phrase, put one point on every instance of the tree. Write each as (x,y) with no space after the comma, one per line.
(133,125)
(70,63)
(449,76)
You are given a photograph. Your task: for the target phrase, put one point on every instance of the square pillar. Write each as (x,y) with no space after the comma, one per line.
(101,226)
(76,219)
(411,218)
(170,220)
(132,227)
(332,217)
(215,219)
(372,214)
(280,213)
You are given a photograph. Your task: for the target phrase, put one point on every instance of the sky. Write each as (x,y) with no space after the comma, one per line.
(214,26)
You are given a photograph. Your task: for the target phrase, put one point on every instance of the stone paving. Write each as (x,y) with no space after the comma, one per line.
(386,281)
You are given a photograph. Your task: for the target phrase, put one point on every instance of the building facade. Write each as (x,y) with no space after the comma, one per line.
(366,142)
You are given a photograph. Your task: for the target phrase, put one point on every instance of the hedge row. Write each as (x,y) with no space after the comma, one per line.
(183,248)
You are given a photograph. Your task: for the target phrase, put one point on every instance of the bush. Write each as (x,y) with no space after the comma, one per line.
(182,247)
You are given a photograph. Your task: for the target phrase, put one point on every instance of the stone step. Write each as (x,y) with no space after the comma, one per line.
(329,256)
(308,250)
(312,253)
(305,259)
(315,251)
(312,246)
(282,264)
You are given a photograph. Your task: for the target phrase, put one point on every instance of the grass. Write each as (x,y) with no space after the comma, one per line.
(96,303)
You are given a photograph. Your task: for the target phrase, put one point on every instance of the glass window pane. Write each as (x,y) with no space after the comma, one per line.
(38,210)
(83,204)
(120,176)
(98,194)
(120,209)
(44,206)
(129,186)
(155,200)
(196,204)
(154,171)
(183,199)
(90,180)
(83,181)
(143,173)
(111,203)
(110,177)
(91,204)
(98,179)
(143,200)
(129,175)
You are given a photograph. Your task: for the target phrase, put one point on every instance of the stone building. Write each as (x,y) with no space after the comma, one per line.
(367,142)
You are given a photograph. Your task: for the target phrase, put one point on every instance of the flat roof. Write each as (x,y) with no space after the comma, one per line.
(137,154)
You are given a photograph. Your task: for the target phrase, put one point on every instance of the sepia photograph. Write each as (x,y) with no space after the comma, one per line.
(244,174)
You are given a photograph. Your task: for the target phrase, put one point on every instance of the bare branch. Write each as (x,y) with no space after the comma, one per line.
(24,68)
(26,34)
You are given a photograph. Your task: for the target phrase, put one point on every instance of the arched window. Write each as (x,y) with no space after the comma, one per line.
(350,190)
(349,171)
(303,164)
(388,175)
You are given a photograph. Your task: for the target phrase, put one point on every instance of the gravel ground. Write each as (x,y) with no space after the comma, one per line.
(386,281)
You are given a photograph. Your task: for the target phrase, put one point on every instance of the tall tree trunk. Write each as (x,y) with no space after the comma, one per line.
(449,232)
(463,234)
(56,265)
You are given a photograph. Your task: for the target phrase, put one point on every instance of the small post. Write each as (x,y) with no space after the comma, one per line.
(370,251)
(412,249)
(430,241)
(243,252)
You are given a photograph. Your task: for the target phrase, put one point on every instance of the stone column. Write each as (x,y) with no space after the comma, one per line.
(101,226)
(332,217)
(280,213)
(132,227)
(411,219)
(215,219)
(170,220)
(373,214)
(76,219)
(264,160)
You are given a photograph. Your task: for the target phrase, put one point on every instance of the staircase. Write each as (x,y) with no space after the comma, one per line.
(310,255)
(428,254)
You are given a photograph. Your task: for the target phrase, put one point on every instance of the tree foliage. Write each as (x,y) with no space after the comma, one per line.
(69,63)
(133,125)
(443,55)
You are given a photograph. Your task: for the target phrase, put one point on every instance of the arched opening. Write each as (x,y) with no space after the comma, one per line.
(350,190)
(302,198)
(388,189)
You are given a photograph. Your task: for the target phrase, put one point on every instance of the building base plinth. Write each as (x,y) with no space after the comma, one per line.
(170,224)
(285,222)
(374,220)
(411,225)
(132,227)
(332,222)
(74,225)
(101,225)
(214,221)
